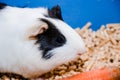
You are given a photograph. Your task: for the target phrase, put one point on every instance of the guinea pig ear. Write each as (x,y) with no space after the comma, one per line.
(55,12)
(2,5)
(36,31)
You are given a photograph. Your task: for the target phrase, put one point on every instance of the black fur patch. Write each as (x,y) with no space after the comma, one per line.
(2,5)
(55,12)
(50,39)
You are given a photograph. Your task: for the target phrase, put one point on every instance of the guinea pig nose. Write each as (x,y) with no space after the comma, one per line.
(60,40)
(79,53)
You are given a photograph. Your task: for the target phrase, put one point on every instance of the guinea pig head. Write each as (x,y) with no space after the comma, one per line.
(57,41)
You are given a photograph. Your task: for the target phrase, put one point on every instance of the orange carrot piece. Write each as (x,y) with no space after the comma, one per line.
(107,73)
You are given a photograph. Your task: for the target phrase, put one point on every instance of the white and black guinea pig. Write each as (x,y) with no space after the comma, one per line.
(34,41)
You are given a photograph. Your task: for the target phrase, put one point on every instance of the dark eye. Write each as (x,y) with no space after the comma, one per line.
(60,40)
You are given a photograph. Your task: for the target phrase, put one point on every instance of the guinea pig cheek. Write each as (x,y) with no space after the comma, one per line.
(64,54)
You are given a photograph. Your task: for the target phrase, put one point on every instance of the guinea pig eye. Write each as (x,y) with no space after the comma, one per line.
(60,40)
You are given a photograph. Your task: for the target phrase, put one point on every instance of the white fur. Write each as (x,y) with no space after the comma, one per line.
(20,55)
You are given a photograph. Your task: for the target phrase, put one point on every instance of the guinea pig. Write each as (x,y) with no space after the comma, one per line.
(34,41)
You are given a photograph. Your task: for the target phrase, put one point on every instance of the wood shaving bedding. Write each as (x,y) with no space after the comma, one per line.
(103,49)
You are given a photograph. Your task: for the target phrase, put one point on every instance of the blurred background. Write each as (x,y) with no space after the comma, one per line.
(78,12)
